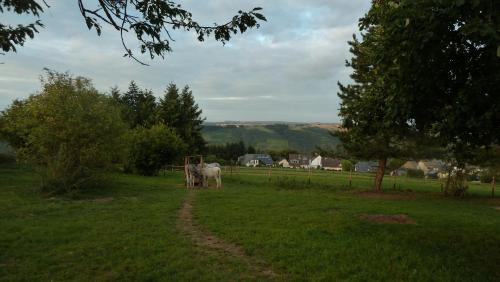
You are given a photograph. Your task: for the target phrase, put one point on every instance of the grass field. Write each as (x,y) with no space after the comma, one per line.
(126,230)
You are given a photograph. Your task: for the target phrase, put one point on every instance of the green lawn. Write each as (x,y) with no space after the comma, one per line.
(126,230)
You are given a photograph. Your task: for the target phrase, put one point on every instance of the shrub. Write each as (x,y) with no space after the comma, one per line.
(69,132)
(346,165)
(152,148)
(415,173)
(486,176)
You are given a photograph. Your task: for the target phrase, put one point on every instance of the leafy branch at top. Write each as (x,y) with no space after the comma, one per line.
(149,20)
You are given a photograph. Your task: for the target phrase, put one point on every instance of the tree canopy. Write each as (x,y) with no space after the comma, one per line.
(69,132)
(425,70)
(149,20)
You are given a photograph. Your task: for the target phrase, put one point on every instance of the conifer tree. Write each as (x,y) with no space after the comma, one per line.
(139,106)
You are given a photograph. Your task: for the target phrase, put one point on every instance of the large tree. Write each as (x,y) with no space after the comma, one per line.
(448,61)
(149,20)
(446,54)
(438,64)
(371,130)
(191,122)
(69,132)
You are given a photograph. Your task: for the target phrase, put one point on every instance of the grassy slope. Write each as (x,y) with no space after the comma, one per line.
(272,137)
(127,231)
(124,232)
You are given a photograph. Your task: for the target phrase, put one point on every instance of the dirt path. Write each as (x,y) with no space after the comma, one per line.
(210,243)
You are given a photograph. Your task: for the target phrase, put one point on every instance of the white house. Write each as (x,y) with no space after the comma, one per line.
(284,163)
(316,162)
(326,163)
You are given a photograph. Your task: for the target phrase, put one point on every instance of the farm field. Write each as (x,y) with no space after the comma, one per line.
(129,229)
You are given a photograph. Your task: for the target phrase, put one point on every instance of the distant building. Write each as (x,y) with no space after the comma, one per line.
(431,167)
(326,163)
(255,160)
(298,160)
(316,162)
(366,166)
(331,164)
(410,165)
(284,163)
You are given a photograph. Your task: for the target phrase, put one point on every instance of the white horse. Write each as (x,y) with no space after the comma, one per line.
(211,172)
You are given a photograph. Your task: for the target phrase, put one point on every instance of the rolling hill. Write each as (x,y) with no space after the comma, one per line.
(269,136)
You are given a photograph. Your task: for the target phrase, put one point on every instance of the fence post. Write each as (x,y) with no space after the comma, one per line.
(493,187)
(269,174)
(308,175)
(350,178)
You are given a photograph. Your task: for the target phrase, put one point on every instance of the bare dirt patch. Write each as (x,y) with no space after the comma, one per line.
(211,243)
(389,218)
(96,200)
(388,196)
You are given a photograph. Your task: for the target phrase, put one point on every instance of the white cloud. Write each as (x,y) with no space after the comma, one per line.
(286,70)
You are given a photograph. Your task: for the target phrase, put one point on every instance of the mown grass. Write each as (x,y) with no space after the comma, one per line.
(123,231)
(126,230)
(318,234)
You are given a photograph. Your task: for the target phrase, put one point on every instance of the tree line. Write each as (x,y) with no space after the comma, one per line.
(72,134)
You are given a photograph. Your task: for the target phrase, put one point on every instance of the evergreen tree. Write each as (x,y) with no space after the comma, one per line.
(251,149)
(180,111)
(169,108)
(139,106)
(191,122)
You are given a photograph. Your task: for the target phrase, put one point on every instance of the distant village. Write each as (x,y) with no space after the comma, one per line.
(421,168)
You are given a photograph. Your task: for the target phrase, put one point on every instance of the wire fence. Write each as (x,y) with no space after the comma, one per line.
(301,177)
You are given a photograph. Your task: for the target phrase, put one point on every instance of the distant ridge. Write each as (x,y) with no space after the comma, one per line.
(273,135)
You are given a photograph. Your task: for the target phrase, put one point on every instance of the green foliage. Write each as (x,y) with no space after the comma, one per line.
(228,152)
(486,175)
(278,155)
(10,36)
(347,165)
(415,173)
(138,106)
(69,131)
(180,112)
(150,21)
(395,164)
(152,148)
(251,149)
(445,68)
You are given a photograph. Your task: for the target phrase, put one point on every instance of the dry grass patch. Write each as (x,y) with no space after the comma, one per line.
(388,196)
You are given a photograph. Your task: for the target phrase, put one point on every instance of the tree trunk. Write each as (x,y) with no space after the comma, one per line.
(448,181)
(380,174)
(493,187)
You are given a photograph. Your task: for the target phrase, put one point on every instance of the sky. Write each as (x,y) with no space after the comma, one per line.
(287,70)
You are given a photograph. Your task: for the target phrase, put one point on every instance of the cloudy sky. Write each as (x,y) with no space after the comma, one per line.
(287,70)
